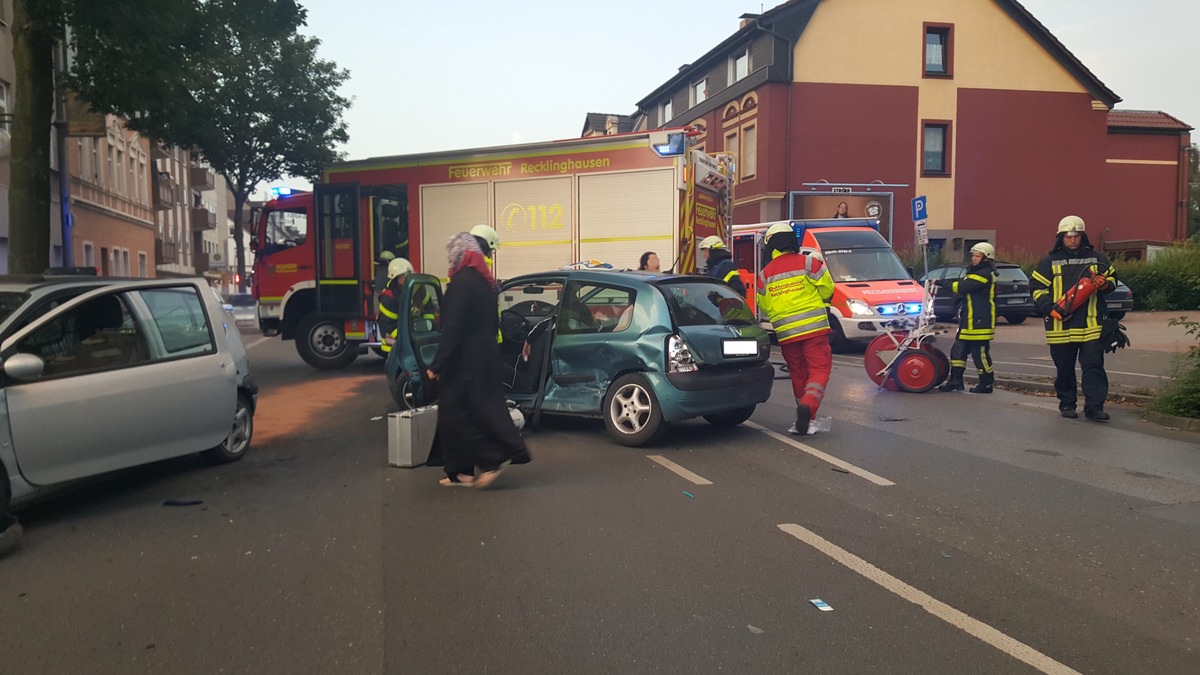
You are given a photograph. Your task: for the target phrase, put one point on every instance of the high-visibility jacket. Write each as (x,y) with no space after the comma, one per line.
(721,266)
(793,290)
(1058,272)
(978,290)
(389,315)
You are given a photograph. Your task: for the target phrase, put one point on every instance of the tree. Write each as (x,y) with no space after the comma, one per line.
(233,79)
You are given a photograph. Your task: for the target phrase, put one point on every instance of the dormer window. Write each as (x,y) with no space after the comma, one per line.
(739,65)
(699,91)
(667,113)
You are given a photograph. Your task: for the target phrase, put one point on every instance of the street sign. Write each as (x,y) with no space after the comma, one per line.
(841,190)
(919,210)
(922,233)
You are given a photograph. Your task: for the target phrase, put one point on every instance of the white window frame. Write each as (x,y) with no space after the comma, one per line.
(733,65)
(699,91)
(89,254)
(667,111)
(142,264)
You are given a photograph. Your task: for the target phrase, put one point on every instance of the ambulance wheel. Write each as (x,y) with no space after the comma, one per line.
(915,371)
(942,361)
(837,337)
(632,415)
(730,418)
(322,343)
(873,359)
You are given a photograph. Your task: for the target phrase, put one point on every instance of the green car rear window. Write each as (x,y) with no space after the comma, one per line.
(706,304)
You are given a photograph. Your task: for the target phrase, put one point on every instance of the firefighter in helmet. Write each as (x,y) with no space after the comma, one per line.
(976,321)
(389,301)
(489,241)
(720,263)
(1068,286)
(794,289)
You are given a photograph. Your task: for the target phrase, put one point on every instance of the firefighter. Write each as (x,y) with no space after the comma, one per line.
(794,290)
(720,263)
(976,321)
(489,241)
(1067,286)
(389,302)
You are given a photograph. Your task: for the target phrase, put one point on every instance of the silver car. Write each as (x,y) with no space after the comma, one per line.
(245,310)
(101,374)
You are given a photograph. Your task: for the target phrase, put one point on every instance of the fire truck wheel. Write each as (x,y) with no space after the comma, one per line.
(322,343)
(631,412)
(730,418)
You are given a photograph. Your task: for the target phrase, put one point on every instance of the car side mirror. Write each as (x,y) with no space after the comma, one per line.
(22,366)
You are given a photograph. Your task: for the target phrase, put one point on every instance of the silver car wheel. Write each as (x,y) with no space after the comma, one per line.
(239,436)
(630,408)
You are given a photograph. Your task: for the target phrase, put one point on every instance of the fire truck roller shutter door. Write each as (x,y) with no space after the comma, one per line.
(625,213)
(447,210)
(535,219)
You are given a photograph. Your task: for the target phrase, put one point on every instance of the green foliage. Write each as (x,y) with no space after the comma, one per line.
(1169,282)
(1182,396)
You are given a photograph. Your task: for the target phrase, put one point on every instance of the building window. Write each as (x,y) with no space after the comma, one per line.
(731,146)
(749,165)
(739,65)
(94,146)
(89,254)
(935,148)
(141,264)
(3,88)
(125,262)
(667,113)
(939,50)
(699,91)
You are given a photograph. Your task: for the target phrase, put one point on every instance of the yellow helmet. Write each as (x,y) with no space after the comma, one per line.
(1070,224)
(778,228)
(487,234)
(712,242)
(986,249)
(397,267)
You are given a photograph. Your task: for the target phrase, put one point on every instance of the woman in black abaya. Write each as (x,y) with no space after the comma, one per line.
(474,428)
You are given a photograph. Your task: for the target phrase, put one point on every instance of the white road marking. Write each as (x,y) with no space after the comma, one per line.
(257,342)
(941,610)
(862,473)
(675,468)
(1051,367)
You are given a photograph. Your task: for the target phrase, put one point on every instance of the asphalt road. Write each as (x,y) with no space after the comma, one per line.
(948,532)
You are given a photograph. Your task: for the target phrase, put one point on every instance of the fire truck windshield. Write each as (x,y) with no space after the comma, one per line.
(285,229)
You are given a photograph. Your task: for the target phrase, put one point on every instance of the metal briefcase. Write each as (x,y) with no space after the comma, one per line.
(410,436)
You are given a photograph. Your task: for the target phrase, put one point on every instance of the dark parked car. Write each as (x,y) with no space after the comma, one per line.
(1119,301)
(637,349)
(1013,301)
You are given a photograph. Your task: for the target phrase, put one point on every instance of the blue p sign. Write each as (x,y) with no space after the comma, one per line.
(919,210)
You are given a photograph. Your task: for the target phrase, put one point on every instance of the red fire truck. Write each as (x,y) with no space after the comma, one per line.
(317,272)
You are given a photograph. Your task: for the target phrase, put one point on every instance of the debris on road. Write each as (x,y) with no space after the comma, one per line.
(820,604)
(183,502)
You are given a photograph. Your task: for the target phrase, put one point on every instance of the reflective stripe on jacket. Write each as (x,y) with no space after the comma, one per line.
(389,316)
(1055,274)
(793,290)
(978,288)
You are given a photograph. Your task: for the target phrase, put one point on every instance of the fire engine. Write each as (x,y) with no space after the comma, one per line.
(319,257)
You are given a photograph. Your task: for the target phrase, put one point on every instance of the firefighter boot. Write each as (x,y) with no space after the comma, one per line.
(986,380)
(954,382)
(803,417)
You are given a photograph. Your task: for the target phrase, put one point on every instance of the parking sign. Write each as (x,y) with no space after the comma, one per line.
(920,212)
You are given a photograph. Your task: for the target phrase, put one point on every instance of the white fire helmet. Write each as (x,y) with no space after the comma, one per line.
(712,242)
(986,249)
(397,267)
(1070,224)
(487,234)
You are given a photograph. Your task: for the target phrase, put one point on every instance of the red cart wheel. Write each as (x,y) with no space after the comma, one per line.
(874,358)
(915,371)
(942,361)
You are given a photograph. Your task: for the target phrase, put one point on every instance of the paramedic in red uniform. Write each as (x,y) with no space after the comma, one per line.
(794,290)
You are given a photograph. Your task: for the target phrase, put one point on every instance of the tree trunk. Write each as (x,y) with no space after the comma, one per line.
(33,95)
(239,202)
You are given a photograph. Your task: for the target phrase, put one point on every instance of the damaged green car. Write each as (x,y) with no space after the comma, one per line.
(637,349)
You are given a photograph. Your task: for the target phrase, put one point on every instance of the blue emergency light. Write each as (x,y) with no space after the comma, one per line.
(281,191)
(674,145)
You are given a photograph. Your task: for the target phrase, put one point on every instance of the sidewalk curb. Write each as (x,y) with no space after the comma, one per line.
(1174,423)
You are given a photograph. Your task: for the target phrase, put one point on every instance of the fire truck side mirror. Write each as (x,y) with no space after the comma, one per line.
(255,213)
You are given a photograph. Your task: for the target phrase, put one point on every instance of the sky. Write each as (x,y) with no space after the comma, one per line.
(429,76)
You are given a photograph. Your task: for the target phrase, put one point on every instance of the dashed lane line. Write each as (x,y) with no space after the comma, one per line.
(847,466)
(257,342)
(679,470)
(941,610)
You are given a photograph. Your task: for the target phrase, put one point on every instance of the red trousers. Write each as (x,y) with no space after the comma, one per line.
(809,361)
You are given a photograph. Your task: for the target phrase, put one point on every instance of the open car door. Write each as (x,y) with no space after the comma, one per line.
(418,332)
